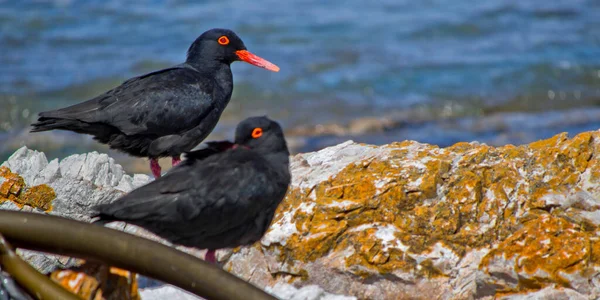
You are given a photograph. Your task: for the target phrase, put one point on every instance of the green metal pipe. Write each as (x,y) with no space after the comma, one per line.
(68,237)
(36,283)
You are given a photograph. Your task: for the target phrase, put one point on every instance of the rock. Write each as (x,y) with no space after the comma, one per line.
(463,222)
(282,291)
(285,291)
(166,292)
(70,187)
(96,281)
(404,220)
(549,293)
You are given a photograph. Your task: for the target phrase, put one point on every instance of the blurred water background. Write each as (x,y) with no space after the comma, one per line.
(496,71)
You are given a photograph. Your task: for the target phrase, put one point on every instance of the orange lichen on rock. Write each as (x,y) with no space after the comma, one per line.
(97,282)
(12,185)
(545,249)
(39,196)
(417,209)
(14,189)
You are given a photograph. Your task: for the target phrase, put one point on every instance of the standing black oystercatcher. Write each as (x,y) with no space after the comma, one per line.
(222,196)
(166,112)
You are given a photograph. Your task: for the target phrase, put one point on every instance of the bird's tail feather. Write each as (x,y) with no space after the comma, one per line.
(101,132)
(45,124)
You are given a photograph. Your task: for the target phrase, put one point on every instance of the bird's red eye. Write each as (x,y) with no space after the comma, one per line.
(257,132)
(223,40)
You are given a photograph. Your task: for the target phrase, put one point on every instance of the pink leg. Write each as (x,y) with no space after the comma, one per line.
(176,160)
(155,167)
(211,256)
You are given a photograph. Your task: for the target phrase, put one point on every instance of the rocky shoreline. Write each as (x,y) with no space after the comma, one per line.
(406,219)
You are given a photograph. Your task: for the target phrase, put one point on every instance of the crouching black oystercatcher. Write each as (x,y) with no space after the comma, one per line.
(222,196)
(166,112)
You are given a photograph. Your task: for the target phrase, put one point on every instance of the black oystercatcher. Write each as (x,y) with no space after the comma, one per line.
(222,196)
(166,112)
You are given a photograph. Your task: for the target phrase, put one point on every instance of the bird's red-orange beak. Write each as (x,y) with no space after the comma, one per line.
(256,60)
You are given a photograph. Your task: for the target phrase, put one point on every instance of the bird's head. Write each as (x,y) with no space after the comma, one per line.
(223,45)
(261,134)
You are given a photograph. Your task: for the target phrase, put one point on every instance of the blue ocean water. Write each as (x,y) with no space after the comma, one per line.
(339,61)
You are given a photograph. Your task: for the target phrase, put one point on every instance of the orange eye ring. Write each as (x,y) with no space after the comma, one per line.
(257,132)
(223,40)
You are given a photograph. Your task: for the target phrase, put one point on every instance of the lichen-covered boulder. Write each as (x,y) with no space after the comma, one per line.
(416,221)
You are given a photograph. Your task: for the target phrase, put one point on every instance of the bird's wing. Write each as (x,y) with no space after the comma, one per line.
(207,149)
(234,192)
(169,101)
(221,193)
(154,200)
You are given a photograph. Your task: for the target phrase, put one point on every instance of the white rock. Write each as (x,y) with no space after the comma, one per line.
(282,291)
(166,292)
(310,292)
(549,293)
(80,182)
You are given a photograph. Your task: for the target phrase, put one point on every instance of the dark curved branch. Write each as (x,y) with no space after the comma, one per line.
(38,285)
(68,237)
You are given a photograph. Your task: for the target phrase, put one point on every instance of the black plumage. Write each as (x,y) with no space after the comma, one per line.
(222,196)
(166,112)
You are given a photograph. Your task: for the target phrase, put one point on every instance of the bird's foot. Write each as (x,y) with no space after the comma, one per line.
(175,160)
(155,167)
(210,256)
